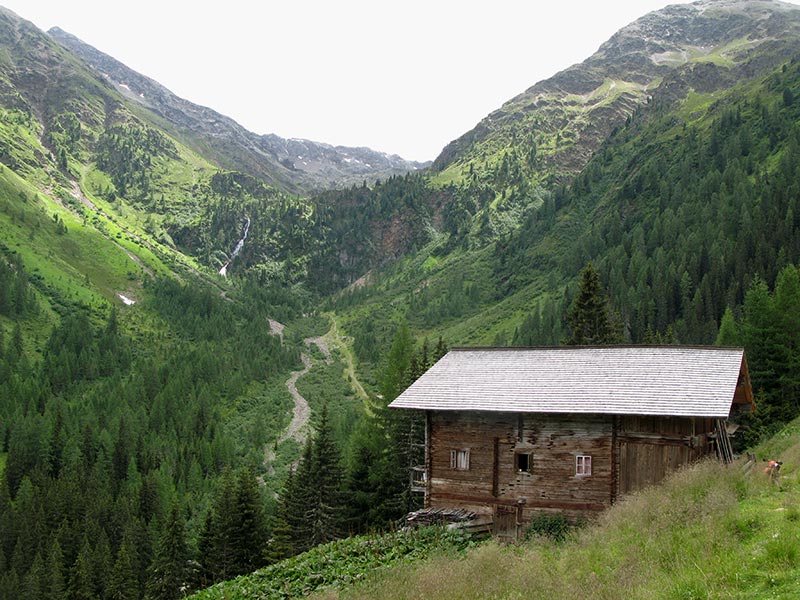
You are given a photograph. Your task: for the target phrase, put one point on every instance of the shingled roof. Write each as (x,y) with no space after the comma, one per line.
(641,380)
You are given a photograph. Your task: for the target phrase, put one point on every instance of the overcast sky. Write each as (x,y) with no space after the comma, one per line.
(401,77)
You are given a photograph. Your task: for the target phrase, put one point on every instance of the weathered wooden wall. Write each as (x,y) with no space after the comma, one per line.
(628,453)
(492,479)
(651,447)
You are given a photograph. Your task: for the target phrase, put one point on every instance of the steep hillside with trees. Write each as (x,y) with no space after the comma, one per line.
(141,389)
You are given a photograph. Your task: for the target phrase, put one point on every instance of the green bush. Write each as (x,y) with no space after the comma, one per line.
(551,526)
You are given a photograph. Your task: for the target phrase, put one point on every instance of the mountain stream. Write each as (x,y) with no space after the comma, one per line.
(238,248)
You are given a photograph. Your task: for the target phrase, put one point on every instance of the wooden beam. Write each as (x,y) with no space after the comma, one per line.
(659,439)
(496,468)
(530,503)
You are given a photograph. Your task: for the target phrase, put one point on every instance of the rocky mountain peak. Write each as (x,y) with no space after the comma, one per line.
(569,114)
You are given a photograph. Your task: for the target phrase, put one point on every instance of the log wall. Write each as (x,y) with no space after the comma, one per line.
(492,480)
(628,453)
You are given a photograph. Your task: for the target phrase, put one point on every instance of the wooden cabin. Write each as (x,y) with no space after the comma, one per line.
(510,432)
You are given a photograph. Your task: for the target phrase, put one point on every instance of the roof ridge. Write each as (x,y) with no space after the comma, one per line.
(596,347)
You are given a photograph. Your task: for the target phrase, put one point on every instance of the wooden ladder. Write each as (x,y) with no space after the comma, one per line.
(724,449)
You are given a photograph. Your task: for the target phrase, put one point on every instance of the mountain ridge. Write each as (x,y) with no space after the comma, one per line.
(294,164)
(639,60)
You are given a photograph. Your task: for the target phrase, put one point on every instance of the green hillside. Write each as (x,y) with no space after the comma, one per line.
(149,412)
(674,210)
(709,531)
(139,389)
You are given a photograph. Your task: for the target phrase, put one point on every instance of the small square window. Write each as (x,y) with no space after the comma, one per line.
(523,462)
(459,459)
(583,465)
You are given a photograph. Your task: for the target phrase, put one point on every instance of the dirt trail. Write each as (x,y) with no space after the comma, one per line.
(321,342)
(337,340)
(301,413)
(297,429)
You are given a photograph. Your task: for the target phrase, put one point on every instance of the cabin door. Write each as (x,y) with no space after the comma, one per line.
(642,463)
(505,522)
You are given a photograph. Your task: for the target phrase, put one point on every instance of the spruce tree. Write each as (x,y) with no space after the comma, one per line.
(396,363)
(217,553)
(326,512)
(169,573)
(759,332)
(359,484)
(402,449)
(123,581)
(101,561)
(589,318)
(728,334)
(205,549)
(787,314)
(281,545)
(55,572)
(35,584)
(248,535)
(300,499)
(81,580)
(10,586)
(440,350)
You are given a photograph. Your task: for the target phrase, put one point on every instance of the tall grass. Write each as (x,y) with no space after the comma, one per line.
(709,531)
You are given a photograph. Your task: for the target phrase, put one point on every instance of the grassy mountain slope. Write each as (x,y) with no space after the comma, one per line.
(709,531)
(153,168)
(134,377)
(674,168)
(558,123)
(80,146)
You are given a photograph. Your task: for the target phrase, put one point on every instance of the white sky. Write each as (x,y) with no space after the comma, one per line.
(403,77)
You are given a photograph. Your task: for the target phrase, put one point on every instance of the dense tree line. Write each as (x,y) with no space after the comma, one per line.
(279,238)
(17,297)
(128,151)
(768,326)
(327,241)
(118,466)
(369,488)
(678,219)
(362,227)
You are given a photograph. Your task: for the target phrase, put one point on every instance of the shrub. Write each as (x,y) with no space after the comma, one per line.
(551,526)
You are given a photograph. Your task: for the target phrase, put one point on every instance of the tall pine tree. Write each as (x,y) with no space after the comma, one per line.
(590,318)
(326,512)
(169,573)
(248,535)
(123,581)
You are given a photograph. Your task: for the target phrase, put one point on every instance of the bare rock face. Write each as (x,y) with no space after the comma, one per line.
(292,164)
(704,46)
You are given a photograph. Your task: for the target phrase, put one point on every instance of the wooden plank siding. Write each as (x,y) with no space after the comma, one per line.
(628,452)
(651,447)
(492,480)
